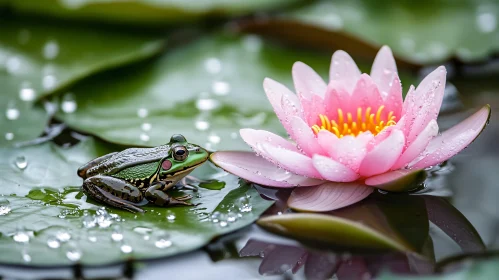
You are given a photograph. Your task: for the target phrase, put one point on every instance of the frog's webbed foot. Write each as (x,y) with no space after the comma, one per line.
(114,191)
(188,183)
(156,195)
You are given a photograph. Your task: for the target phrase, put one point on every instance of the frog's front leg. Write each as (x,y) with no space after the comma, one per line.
(156,195)
(113,191)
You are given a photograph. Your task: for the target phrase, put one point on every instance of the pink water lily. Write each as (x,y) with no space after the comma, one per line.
(356,129)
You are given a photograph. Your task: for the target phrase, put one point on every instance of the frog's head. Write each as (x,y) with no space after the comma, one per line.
(183,157)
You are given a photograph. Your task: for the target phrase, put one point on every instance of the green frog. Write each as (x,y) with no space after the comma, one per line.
(136,176)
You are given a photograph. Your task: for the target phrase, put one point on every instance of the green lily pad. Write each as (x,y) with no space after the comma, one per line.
(197,90)
(425,34)
(393,223)
(39,58)
(143,11)
(46,219)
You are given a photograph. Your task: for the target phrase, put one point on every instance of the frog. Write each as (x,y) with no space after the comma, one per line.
(138,176)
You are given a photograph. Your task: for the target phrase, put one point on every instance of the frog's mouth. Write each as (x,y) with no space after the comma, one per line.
(184,172)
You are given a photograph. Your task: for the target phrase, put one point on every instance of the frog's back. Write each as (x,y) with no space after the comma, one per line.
(129,158)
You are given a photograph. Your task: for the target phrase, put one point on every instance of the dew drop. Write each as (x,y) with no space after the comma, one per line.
(142,113)
(486,22)
(244,205)
(50,49)
(21,236)
(163,240)
(73,253)
(21,162)
(220,87)
(215,217)
(63,236)
(231,217)
(68,104)
(202,125)
(53,243)
(4,207)
(207,104)
(170,216)
(49,82)
(26,92)
(9,136)
(13,65)
(25,255)
(213,65)
(146,126)
(117,234)
(12,113)
(144,137)
(89,221)
(126,249)
(214,138)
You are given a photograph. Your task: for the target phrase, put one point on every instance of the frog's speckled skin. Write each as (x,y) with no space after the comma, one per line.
(123,179)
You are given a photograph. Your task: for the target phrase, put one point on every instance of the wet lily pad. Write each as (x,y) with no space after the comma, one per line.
(143,11)
(39,58)
(425,34)
(46,220)
(197,90)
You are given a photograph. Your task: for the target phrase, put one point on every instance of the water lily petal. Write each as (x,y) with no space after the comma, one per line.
(382,157)
(418,146)
(307,81)
(305,137)
(327,140)
(365,94)
(332,170)
(424,102)
(383,70)
(254,138)
(249,166)
(312,108)
(398,180)
(344,69)
(336,97)
(393,100)
(351,150)
(275,92)
(328,196)
(453,140)
(292,161)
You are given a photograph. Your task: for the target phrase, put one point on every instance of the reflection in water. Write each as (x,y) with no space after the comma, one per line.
(400,217)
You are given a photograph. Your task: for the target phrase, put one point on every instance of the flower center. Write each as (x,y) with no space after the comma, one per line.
(366,121)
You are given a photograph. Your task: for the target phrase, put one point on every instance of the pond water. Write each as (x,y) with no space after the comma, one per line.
(469,182)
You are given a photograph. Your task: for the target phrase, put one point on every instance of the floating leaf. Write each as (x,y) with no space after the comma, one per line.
(196,90)
(142,11)
(425,34)
(39,58)
(51,222)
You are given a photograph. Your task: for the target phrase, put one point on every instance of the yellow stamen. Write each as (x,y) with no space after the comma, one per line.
(366,121)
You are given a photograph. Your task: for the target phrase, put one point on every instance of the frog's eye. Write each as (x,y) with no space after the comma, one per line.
(180,153)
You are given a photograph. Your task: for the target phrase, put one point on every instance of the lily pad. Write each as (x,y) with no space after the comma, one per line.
(197,90)
(143,11)
(425,34)
(47,220)
(40,58)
